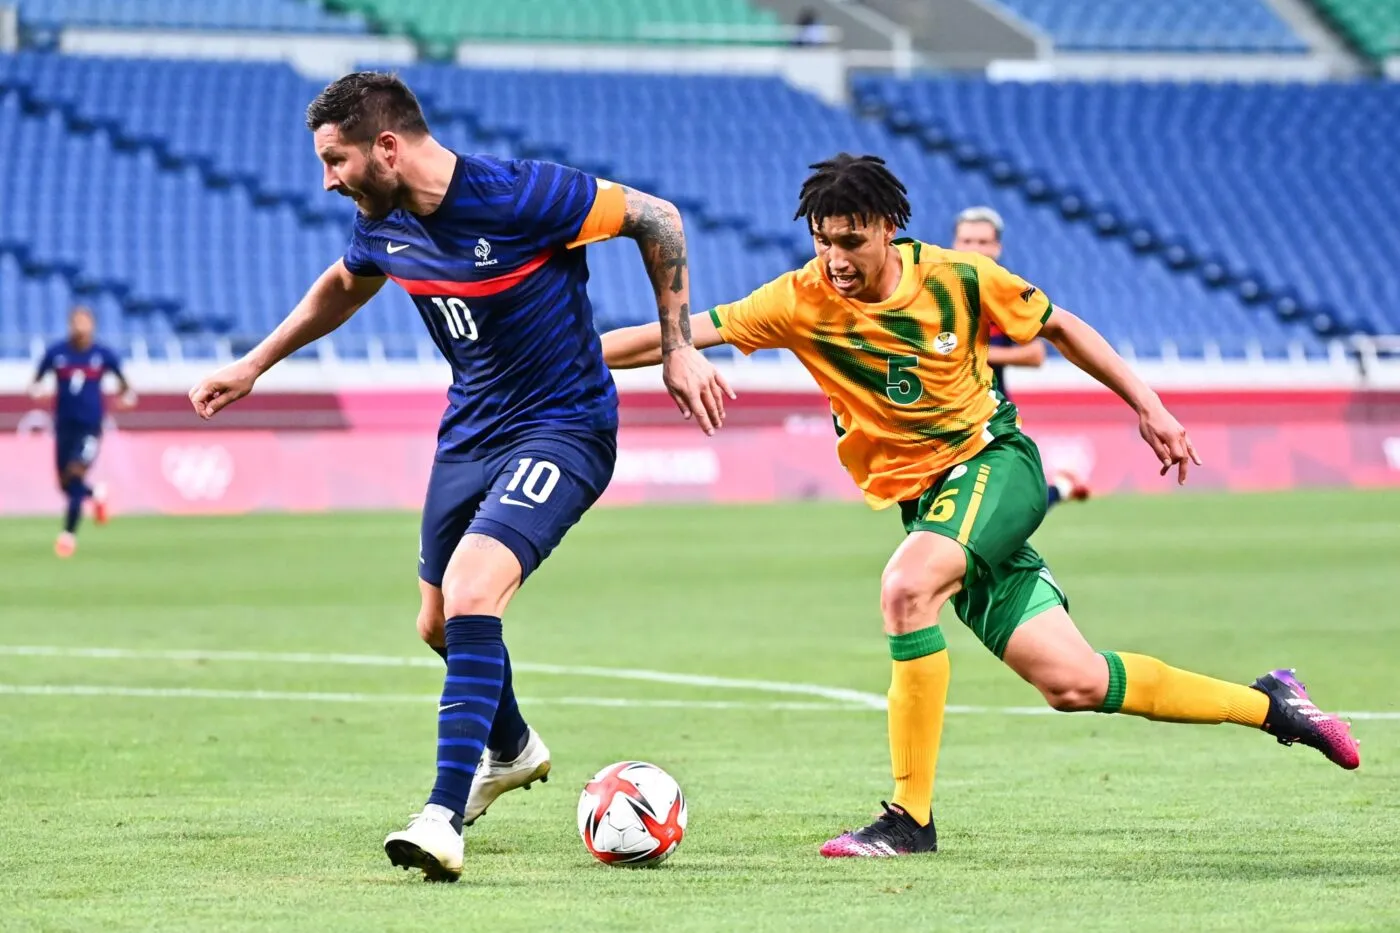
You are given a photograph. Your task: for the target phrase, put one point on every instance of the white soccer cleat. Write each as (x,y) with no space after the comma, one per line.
(429,843)
(494,778)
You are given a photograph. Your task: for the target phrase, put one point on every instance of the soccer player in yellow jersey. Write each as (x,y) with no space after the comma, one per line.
(895,332)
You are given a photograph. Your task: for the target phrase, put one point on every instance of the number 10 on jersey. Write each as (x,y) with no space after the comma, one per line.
(458,317)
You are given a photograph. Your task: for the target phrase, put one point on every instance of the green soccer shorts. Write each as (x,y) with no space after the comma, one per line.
(991,504)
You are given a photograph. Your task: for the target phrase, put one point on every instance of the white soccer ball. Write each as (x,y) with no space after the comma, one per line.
(631,813)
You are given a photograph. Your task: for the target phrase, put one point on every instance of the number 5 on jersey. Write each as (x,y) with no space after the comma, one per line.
(537,483)
(902,383)
(458,317)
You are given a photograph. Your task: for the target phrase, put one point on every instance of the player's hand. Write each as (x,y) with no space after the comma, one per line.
(1168,441)
(223,388)
(37,391)
(696,386)
(127,400)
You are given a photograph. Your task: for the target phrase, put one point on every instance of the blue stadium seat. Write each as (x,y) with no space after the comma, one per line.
(608,122)
(208,15)
(1292,183)
(142,186)
(204,112)
(1230,26)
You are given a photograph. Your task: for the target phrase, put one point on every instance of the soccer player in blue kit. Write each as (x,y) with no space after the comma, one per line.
(491,251)
(79,364)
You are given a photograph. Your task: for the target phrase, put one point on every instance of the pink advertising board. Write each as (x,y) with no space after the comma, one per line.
(376,452)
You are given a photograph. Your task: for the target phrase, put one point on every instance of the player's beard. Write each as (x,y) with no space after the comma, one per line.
(379,194)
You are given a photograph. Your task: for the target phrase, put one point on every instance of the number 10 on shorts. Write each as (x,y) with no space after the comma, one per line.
(534,479)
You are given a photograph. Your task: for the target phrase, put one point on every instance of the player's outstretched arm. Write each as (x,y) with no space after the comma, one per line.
(635,347)
(690,378)
(330,302)
(1085,347)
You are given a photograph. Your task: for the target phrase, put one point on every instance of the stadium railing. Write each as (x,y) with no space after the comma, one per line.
(9,28)
(1378,359)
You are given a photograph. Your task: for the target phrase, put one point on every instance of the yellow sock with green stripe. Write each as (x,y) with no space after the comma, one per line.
(917,697)
(1143,686)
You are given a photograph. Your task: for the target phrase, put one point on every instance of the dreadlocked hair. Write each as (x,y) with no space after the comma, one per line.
(853,186)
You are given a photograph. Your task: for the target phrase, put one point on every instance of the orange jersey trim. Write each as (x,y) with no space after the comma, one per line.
(604,220)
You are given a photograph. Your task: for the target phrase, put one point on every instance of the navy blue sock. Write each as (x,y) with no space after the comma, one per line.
(1052,496)
(475,670)
(508,730)
(442,652)
(77,491)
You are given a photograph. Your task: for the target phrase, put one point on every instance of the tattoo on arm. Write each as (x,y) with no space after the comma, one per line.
(656,226)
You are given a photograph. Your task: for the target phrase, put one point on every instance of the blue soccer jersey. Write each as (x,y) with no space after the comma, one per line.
(78,399)
(498,280)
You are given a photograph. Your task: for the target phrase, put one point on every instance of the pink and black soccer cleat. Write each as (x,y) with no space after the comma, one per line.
(65,545)
(893,833)
(1293,717)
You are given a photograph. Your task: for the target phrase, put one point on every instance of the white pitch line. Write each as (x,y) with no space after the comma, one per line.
(195,693)
(192,693)
(835,694)
(841,697)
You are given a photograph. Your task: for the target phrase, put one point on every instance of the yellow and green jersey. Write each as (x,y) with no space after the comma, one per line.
(908,378)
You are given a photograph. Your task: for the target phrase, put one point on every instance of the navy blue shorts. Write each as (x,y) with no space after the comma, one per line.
(526,496)
(75,444)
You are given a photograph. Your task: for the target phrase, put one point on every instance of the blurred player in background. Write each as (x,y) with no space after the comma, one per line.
(79,364)
(491,251)
(979,230)
(895,333)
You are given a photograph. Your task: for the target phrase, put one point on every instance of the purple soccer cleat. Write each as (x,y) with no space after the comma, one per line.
(1293,717)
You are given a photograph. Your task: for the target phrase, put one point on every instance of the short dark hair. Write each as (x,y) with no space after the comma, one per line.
(853,186)
(365,104)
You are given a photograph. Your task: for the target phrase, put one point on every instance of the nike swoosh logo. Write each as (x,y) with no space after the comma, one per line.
(507,500)
(393,248)
(443,709)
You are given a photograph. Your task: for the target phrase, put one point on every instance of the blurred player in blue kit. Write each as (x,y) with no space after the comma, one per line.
(79,364)
(491,251)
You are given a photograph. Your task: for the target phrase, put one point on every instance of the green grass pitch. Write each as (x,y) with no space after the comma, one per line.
(186,811)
